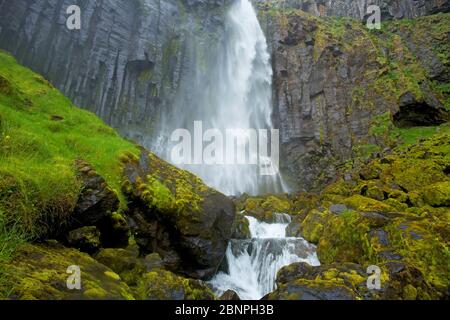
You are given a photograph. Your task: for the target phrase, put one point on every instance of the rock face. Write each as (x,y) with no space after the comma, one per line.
(357,9)
(128,62)
(334,95)
(175,215)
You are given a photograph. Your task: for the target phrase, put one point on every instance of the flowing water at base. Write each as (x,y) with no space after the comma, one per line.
(252,264)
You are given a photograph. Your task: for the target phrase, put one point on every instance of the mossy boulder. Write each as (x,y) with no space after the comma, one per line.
(86,239)
(38,272)
(241,228)
(301,281)
(176,215)
(266,208)
(119,260)
(165,285)
(312,226)
(96,200)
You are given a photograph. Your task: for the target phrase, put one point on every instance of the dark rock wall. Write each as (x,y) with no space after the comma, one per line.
(129,60)
(337,85)
(357,9)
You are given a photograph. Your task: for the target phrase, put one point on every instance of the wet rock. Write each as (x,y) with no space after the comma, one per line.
(96,201)
(230,295)
(319,132)
(295,270)
(301,281)
(293,229)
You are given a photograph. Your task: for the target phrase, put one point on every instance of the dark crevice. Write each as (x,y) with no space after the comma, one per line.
(419,114)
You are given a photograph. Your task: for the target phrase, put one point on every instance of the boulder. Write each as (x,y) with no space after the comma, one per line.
(301,281)
(230,295)
(267,208)
(438,194)
(119,260)
(165,285)
(173,213)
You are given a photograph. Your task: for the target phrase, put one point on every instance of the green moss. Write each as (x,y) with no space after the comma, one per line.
(41,136)
(164,285)
(346,239)
(362,203)
(313,226)
(265,208)
(438,194)
(97,293)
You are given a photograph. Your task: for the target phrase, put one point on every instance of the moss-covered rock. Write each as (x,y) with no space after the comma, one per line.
(348,281)
(265,208)
(38,272)
(438,194)
(164,285)
(300,281)
(176,215)
(241,228)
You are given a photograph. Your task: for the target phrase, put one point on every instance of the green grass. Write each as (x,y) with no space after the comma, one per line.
(411,136)
(11,236)
(41,135)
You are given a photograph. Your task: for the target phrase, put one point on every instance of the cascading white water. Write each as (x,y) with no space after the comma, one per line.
(233,92)
(253,264)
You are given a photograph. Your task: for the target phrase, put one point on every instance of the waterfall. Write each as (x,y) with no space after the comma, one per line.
(252,265)
(233,91)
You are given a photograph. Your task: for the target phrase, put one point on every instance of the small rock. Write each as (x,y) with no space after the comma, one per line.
(153,261)
(389,255)
(338,208)
(381,235)
(119,260)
